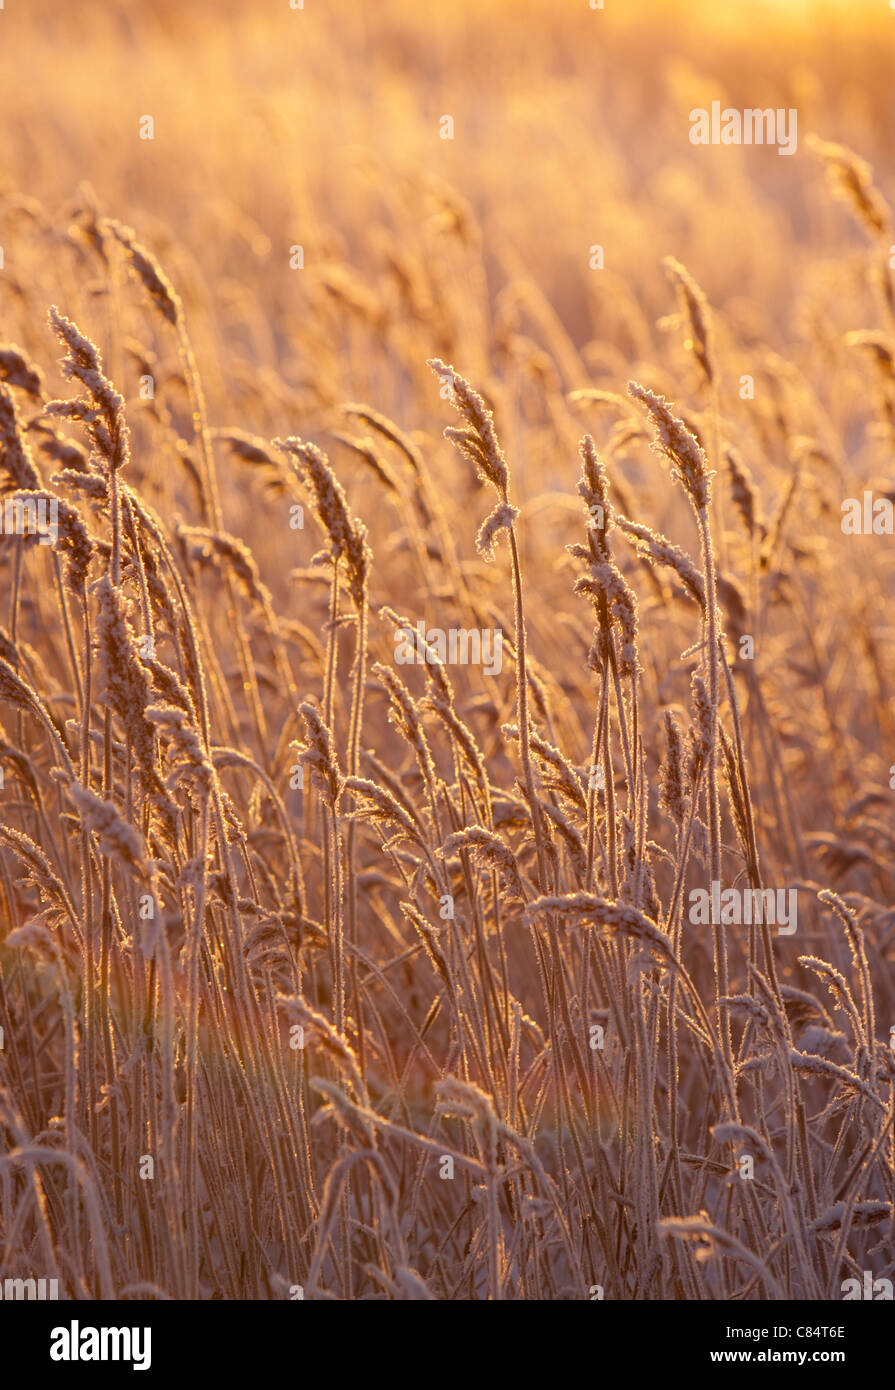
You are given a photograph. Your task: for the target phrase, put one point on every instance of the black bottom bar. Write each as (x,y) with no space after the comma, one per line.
(67,1338)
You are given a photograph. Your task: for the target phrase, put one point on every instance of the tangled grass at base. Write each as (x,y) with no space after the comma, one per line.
(377,977)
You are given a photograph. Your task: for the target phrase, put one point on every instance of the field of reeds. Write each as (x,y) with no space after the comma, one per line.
(341,345)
